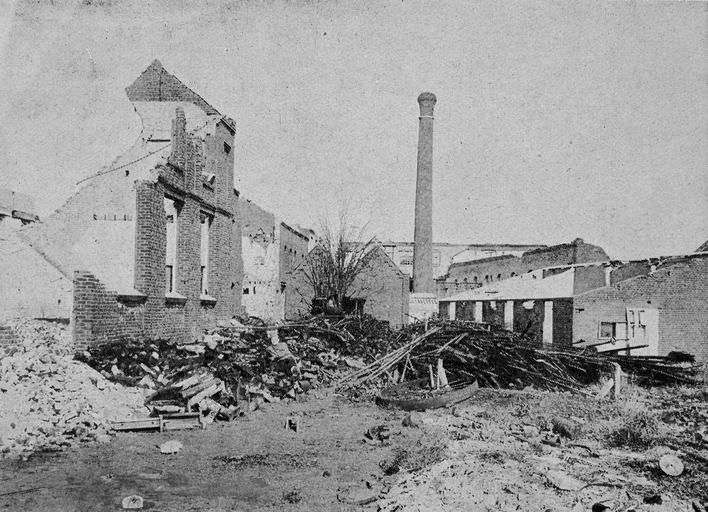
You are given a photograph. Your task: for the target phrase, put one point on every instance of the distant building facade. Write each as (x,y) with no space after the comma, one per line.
(271,249)
(381,288)
(658,305)
(444,254)
(471,274)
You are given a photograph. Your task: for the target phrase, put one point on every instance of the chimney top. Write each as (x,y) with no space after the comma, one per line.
(427,101)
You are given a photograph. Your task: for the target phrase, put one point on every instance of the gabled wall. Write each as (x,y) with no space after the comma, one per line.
(110,237)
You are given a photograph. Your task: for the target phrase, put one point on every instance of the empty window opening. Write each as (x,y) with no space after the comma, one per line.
(171,220)
(612,331)
(227,148)
(206,221)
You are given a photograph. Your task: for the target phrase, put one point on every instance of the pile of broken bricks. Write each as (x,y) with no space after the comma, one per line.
(232,371)
(50,402)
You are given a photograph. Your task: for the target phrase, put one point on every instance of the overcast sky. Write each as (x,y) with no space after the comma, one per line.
(554,120)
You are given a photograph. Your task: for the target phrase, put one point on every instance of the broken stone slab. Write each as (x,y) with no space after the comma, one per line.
(132,502)
(564,481)
(171,447)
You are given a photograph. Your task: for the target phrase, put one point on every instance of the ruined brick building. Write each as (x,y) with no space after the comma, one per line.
(152,244)
(271,249)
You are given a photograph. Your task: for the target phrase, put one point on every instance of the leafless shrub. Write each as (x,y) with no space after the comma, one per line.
(635,428)
(343,252)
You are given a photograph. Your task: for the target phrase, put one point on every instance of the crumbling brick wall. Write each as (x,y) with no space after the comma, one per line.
(8,339)
(99,317)
(678,291)
(489,270)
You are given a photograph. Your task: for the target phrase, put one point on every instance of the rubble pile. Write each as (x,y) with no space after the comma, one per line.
(236,368)
(49,401)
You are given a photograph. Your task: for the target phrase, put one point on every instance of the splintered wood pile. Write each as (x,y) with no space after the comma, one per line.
(502,359)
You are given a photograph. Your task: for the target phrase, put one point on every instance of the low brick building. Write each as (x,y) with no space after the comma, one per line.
(381,286)
(665,307)
(468,275)
(271,249)
(152,243)
(660,305)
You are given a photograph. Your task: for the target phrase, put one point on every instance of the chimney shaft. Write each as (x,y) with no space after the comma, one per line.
(423,236)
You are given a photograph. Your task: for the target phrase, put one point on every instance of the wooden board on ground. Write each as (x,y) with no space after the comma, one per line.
(181,421)
(141,424)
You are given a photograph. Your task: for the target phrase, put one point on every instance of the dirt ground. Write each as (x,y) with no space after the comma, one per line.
(500,454)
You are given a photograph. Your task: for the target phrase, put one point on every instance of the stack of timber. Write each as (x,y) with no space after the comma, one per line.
(494,357)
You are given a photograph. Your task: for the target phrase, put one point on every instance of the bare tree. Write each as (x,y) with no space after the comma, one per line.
(342,253)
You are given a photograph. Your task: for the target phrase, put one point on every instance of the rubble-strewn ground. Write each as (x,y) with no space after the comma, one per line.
(497,458)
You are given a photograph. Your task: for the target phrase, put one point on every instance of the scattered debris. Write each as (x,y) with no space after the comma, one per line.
(293,496)
(292,423)
(379,434)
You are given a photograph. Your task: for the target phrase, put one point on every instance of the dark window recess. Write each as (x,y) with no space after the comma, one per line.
(246,291)
(204,274)
(613,330)
(227,148)
(168,278)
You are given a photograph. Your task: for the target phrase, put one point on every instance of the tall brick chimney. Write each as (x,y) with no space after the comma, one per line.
(423,236)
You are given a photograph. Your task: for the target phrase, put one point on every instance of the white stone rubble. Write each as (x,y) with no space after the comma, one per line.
(49,401)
